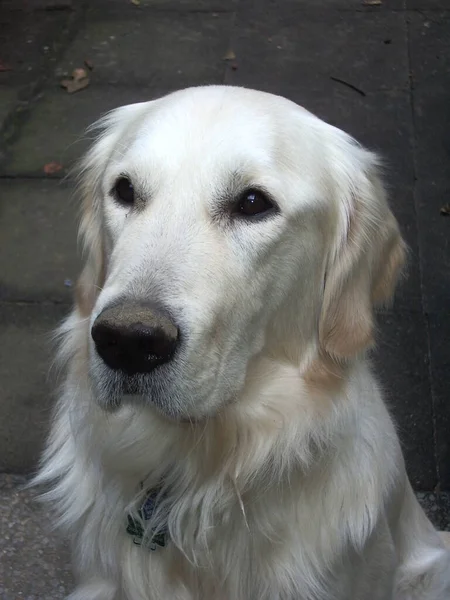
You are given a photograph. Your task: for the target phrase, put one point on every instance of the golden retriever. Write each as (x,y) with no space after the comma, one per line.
(219,434)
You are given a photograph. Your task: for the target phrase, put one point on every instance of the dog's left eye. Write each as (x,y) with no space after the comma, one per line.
(253,203)
(124,191)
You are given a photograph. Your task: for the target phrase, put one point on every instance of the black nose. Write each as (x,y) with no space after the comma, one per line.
(134,338)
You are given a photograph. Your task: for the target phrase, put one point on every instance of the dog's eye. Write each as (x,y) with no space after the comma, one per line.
(252,203)
(124,191)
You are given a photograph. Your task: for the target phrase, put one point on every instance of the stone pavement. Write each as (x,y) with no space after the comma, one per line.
(380,71)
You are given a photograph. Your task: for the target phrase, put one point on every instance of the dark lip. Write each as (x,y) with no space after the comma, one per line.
(128,373)
(130,387)
(141,391)
(137,381)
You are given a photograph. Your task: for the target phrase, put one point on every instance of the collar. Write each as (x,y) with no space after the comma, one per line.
(134,527)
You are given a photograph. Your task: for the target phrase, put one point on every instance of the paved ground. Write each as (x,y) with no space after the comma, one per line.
(381,72)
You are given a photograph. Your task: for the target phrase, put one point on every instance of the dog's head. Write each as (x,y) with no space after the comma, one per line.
(222,225)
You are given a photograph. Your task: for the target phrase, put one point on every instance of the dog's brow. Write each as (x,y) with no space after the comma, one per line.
(234,182)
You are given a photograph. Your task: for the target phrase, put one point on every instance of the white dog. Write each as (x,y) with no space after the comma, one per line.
(219,434)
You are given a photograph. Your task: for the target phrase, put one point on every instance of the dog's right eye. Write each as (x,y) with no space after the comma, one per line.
(124,191)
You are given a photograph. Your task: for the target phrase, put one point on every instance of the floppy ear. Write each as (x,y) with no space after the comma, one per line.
(367,257)
(92,277)
(91,232)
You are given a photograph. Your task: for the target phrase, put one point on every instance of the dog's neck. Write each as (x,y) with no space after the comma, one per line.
(273,419)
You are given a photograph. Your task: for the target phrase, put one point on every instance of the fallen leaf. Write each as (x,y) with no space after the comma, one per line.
(445,210)
(79,81)
(230,55)
(372,2)
(89,64)
(75,85)
(52,167)
(79,73)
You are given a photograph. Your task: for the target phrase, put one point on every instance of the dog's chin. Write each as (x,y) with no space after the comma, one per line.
(140,400)
(114,390)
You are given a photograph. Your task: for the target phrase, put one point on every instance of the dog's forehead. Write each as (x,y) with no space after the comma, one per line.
(201,141)
(212,125)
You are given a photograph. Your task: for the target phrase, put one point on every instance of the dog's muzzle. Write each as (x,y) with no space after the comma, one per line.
(134,338)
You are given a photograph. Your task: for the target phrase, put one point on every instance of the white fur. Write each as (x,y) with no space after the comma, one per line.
(280,485)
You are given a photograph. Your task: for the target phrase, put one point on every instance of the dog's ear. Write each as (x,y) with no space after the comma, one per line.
(92,276)
(90,232)
(367,257)
(114,126)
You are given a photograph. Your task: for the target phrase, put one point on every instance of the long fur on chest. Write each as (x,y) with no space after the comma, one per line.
(255,499)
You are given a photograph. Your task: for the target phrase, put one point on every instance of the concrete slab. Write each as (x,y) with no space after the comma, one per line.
(402,366)
(158,49)
(38,223)
(30,5)
(332,5)
(34,560)
(30,45)
(25,394)
(437,507)
(285,49)
(432,124)
(119,6)
(430,52)
(428,5)
(409,292)
(439,327)
(430,69)
(8,99)
(434,236)
(55,130)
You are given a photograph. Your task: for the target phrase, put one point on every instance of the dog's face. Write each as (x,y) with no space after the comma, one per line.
(222,225)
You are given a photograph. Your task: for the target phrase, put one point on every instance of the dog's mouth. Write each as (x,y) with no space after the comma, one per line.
(111,386)
(114,389)
(133,385)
